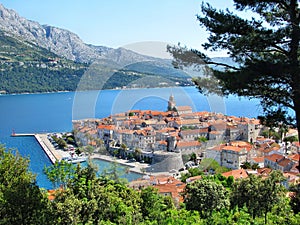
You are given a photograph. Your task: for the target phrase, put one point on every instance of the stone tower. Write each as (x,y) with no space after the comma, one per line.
(171,103)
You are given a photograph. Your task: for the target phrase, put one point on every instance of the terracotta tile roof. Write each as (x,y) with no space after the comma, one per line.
(264,171)
(240,144)
(126,131)
(106,127)
(258,159)
(92,143)
(189,115)
(254,121)
(170,186)
(240,173)
(188,144)
(233,148)
(294,157)
(217,148)
(195,131)
(284,162)
(190,121)
(270,149)
(274,157)
(135,111)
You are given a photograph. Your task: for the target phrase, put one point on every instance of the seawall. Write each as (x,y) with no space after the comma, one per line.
(45,144)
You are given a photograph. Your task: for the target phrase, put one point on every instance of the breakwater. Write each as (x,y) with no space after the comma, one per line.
(45,144)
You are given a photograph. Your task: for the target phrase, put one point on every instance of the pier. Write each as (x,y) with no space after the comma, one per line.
(21,135)
(46,145)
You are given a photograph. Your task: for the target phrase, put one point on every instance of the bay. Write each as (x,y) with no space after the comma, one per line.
(54,112)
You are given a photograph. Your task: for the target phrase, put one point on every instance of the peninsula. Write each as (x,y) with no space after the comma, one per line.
(167,140)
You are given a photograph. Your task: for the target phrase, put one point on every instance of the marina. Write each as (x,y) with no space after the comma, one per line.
(45,144)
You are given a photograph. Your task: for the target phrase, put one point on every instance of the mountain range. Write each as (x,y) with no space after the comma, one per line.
(31,56)
(63,42)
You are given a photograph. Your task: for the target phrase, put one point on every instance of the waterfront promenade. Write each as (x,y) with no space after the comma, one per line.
(48,147)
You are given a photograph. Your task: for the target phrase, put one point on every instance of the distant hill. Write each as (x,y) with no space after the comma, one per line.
(63,42)
(25,67)
(43,58)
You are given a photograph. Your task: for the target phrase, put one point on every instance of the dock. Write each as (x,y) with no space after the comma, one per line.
(21,135)
(45,144)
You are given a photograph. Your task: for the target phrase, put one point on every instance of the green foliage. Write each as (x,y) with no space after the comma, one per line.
(248,165)
(220,179)
(25,67)
(211,164)
(60,141)
(266,49)
(257,194)
(206,196)
(60,173)
(192,172)
(295,201)
(202,139)
(153,205)
(88,199)
(181,217)
(21,200)
(290,139)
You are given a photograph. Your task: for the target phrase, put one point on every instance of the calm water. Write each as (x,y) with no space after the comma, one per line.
(54,112)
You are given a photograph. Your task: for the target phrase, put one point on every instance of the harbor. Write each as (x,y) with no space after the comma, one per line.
(45,144)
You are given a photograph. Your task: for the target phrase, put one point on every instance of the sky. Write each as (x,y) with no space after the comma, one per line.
(136,24)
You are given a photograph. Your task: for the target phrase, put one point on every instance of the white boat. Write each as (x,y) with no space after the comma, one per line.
(75,158)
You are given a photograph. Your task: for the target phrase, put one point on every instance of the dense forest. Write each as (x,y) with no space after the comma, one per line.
(83,198)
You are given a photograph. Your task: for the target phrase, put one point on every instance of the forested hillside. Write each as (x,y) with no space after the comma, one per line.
(25,67)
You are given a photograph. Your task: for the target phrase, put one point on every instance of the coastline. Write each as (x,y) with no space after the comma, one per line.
(116,89)
(54,155)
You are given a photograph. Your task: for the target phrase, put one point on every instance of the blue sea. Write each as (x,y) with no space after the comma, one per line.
(54,112)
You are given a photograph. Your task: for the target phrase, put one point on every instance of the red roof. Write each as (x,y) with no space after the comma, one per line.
(188,143)
(240,173)
(233,148)
(294,157)
(284,162)
(258,159)
(106,127)
(274,157)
